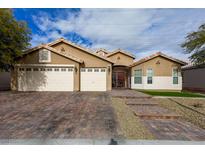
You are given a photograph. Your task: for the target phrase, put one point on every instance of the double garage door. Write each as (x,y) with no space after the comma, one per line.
(45,79)
(60,79)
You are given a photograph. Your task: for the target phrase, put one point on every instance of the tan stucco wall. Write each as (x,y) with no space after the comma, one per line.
(89,60)
(33,58)
(163,69)
(121,59)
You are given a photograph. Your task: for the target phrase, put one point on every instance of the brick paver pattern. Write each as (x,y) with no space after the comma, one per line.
(56,115)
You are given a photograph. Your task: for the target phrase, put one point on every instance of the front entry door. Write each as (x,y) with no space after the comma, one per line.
(118,79)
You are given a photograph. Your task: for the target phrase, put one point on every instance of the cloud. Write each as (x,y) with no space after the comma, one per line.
(141,31)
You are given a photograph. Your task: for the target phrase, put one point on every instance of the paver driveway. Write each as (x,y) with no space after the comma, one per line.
(56,115)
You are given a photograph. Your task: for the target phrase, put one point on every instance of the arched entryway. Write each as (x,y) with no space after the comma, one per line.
(120,77)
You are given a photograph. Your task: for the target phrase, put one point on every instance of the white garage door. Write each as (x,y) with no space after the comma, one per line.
(45,79)
(93,79)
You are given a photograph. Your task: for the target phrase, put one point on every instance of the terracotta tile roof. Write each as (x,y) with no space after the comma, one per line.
(121,51)
(102,49)
(156,55)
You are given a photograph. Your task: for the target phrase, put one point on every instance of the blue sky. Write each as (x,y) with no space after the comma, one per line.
(140,31)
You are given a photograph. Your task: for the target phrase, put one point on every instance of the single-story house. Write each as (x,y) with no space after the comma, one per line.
(64,66)
(194,77)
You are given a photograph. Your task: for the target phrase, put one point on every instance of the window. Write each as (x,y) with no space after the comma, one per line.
(90,70)
(35,69)
(70,69)
(63,69)
(138,76)
(102,70)
(21,69)
(44,56)
(43,69)
(96,70)
(56,69)
(49,69)
(149,76)
(175,74)
(28,69)
(82,69)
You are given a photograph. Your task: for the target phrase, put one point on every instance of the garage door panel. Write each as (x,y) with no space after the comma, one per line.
(93,81)
(45,80)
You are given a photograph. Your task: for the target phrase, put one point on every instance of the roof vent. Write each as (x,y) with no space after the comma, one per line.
(62,50)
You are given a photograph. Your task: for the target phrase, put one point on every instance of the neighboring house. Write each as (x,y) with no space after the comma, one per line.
(64,66)
(194,78)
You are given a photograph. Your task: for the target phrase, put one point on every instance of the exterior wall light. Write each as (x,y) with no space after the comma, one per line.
(76,69)
(109,69)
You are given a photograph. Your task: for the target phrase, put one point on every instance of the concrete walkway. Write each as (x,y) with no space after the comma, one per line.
(127,93)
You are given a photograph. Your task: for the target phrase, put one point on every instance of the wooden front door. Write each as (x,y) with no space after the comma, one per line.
(118,79)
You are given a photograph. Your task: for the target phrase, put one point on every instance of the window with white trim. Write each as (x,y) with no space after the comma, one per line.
(175,75)
(138,76)
(149,76)
(44,56)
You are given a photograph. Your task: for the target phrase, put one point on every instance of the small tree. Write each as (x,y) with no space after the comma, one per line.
(195,44)
(14,38)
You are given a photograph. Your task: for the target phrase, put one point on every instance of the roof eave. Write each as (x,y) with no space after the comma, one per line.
(115,52)
(175,60)
(53,50)
(78,47)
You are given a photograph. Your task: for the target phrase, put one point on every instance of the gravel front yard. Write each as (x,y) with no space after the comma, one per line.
(131,126)
(196,104)
(187,114)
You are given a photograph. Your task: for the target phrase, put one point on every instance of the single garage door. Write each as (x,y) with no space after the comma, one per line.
(93,79)
(45,79)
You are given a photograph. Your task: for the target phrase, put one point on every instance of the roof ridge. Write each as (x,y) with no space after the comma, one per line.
(122,51)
